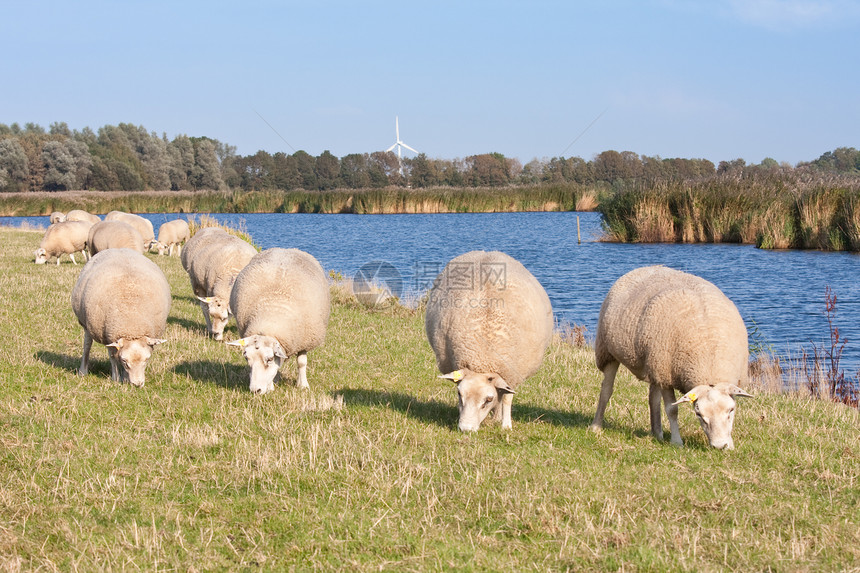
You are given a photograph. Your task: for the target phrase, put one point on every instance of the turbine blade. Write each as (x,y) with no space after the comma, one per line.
(407,147)
(391,148)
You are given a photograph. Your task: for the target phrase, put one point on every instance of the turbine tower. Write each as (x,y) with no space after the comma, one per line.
(399,145)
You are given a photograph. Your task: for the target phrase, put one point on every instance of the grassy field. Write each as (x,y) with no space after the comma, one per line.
(192,472)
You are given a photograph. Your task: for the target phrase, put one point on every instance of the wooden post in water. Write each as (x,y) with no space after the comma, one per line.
(578,238)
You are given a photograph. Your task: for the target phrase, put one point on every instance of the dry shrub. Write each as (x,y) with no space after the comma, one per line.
(573,334)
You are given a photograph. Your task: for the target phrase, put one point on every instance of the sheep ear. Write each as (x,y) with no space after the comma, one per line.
(690,397)
(501,385)
(456,376)
(155,341)
(279,352)
(736,391)
(241,343)
(118,344)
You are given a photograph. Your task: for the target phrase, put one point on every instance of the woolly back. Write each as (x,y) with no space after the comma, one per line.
(200,239)
(488,313)
(671,327)
(121,294)
(283,293)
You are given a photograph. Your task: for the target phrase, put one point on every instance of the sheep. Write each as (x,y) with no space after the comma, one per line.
(489,322)
(57,217)
(114,235)
(172,234)
(143,225)
(675,331)
(81,215)
(281,303)
(65,238)
(212,270)
(201,238)
(122,300)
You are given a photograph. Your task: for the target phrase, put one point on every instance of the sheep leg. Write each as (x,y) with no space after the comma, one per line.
(655,394)
(606,389)
(72,256)
(302,362)
(85,359)
(672,414)
(505,406)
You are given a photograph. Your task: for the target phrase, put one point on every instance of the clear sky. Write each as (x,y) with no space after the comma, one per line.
(717,79)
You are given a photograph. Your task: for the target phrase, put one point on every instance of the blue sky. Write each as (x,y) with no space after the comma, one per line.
(717,79)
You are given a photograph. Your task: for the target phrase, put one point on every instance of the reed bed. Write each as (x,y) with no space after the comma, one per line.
(559,197)
(771,213)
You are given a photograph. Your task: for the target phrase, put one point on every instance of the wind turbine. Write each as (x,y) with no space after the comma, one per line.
(399,145)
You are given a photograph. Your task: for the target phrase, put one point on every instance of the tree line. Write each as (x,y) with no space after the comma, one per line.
(126,157)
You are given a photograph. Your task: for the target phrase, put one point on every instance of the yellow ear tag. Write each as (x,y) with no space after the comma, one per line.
(457,375)
(692,397)
(242,342)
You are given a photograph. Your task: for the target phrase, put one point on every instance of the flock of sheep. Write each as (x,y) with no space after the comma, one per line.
(488,319)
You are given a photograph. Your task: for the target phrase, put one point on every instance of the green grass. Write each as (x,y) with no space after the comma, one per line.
(192,472)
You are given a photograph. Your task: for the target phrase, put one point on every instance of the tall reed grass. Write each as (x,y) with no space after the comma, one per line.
(558,197)
(820,213)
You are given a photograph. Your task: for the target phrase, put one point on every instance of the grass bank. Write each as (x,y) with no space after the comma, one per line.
(192,472)
(562,197)
(771,213)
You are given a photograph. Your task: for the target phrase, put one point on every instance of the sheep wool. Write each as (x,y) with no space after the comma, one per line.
(487,317)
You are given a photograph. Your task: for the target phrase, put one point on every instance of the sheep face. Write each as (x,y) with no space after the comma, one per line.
(265,356)
(41,256)
(478,393)
(715,408)
(219,314)
(161,247)
(128,359)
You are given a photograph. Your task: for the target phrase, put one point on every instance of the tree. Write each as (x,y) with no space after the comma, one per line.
(354,171)
(67,164)
(14,167)
(424,172)
(180,152)
(207,170)
(327,171)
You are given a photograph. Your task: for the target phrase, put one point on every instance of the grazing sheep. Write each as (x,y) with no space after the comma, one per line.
(675,331)
(113,235)
(212,270)
(65,238)
(143,225)
(489,322)
(81,215)
(57,217)
(122,300)
(200,239)
(281,303)
(172,234)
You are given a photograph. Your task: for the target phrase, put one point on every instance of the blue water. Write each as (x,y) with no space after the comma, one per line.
(780,292)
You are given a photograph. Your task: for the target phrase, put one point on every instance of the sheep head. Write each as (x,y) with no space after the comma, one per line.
(219,313)
(714,406)
(477,394)
(129,358)
(265,356)
(41,256)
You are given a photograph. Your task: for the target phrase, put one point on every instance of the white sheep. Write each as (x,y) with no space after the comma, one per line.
(281,303)
(213,268)
(142,224)
(65,238)
(122,300)
(675,331)
(489,322)
(114,235)
(197,241)
(81,215)
(172,234)
(57,217)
